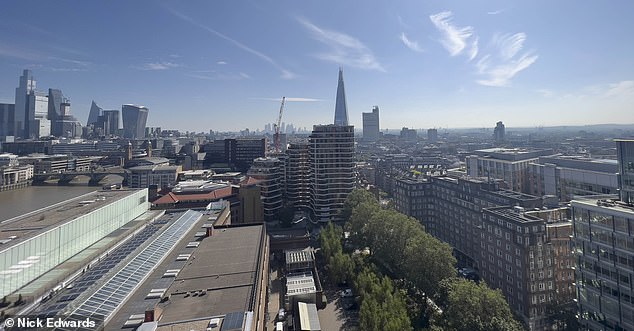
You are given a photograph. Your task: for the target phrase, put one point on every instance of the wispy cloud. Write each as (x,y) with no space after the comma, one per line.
(622,88)
(344,49)
(455,39)
(286,74)
(159,66)
(212,75)
(221,62)
(413,45)
(506,62)
(495,12)
(38,58)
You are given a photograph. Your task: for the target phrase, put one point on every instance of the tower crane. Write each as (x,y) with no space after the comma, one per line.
(277,126)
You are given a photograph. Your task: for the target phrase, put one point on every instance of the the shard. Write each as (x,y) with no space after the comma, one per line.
(341,108)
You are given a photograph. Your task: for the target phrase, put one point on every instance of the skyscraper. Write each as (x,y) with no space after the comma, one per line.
(7,120)
(38,124)
(625,157)
(371,125)
(498,132)
(95,112)
(134,121)
(27,85)
(110,119)
(331,156)
(341,107)
(298,175)
(55,101)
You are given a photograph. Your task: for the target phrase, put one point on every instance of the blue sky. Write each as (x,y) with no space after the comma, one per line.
(223,65)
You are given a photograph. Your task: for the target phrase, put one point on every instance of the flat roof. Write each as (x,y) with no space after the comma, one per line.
(218,277)
(609,203)
(34,223)
(512,214)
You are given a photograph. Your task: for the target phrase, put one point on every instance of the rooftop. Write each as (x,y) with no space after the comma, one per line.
(216,278)
(176,197)
(24,227)
(605,202)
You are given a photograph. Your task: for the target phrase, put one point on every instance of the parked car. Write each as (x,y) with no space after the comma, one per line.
(281,315)
(347,293)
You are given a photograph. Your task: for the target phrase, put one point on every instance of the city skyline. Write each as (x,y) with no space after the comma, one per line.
(424,64)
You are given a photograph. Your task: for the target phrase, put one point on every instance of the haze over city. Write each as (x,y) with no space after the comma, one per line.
(426,64)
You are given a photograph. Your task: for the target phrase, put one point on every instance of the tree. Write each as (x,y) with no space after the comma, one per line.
(354,199)
(341,267)
(330,239)
(382,306)
(359,223)
(474,307)
(428,261)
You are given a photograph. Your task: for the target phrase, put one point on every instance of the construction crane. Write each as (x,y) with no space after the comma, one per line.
(277,126)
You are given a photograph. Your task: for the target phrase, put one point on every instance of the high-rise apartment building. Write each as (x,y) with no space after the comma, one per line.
(604,245)
(269,172)
(25,87)
(331,155)
(341,107)
(134,121)
(371,125)
(298,175)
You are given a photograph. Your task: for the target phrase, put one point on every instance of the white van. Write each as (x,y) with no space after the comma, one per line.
(279,326)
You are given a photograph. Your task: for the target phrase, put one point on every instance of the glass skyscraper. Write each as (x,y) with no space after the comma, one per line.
(341,107)
(134,121)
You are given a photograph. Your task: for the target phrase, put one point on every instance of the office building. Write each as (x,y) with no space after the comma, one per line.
(298,176)
(93,115)
(25,87)
(371,125)
(509,164)
(110,122)
(604,246)
(499,134)
(37,242)
(233,154)
(269,173)
(7,120)
(162,176)
(625,158)
(331,155)
(341,107)
(134,121)
(37,111)
(569,176)
(66,125)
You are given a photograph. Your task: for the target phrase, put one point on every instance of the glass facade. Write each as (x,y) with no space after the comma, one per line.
(25,261)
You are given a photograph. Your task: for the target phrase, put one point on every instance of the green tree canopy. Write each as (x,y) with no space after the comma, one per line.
(474,307)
